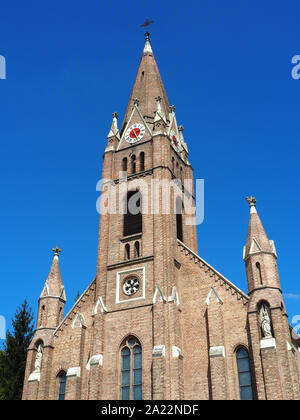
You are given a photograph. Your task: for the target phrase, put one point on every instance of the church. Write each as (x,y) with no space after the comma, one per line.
(158,322)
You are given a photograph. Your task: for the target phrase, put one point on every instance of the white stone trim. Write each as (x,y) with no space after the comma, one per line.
(74,371)
(273,248)
(218,297)
(161,295)
(268,343)
(74,306)
(96,360)
(174,296)
(34,376)
(81,319)
(132,270)
(254,244)
(103,308)
(288,346)
(45,291)
(135,108)
(217,351)
(159,351)
(176,352)
(147,47)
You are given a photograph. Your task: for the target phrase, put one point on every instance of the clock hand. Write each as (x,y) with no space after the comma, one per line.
(135,133)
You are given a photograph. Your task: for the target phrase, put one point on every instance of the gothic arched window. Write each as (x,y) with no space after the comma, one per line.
(133,213)
(258,272)
(127,252)
(43,311)
(142,161)
(136,249)
(245,381)
(133,164)
(131,370)
(124,164)
(62,379)
(179,219)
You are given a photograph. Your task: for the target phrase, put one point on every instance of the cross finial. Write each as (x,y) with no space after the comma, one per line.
(136,101)
(115,114)
(251,201)
(147,23)
(56,251)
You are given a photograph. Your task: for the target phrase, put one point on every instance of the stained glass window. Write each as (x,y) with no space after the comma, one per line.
(246,392)
(62,385)
(131,370)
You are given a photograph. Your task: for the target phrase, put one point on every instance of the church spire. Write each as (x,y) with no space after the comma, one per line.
(53,285)
(114,131)
(259,253)
(52,298)
(148,85)
(257,240)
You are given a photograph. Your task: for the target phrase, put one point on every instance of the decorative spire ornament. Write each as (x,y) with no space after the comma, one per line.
(251,201)
(136,101)
(147,48)
(159,114)
(114,131)
(56,251)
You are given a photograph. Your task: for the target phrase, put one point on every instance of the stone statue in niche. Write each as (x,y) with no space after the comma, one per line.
(38,359)
(265,322)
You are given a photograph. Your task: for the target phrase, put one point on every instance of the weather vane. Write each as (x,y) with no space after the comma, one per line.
(147,23)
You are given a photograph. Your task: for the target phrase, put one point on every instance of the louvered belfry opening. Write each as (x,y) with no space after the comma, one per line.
(133,222)
(179,219)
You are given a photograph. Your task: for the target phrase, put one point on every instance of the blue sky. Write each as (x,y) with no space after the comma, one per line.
(227,68)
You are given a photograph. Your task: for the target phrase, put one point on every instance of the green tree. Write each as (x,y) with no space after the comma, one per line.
(14,353)
(77,297)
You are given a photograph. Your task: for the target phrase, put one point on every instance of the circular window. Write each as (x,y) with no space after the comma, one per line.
(131,286)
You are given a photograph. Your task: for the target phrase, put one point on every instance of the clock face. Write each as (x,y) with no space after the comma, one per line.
(174,141)
(135,133)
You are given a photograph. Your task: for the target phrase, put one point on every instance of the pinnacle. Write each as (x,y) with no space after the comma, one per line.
(53,284)
(256,231)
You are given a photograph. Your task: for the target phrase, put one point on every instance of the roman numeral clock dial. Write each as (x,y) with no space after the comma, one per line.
(134,133)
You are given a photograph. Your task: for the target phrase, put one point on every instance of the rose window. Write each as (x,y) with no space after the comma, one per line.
(131,286)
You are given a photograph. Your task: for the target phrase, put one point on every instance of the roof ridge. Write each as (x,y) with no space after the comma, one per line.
(237,289)
(76,303)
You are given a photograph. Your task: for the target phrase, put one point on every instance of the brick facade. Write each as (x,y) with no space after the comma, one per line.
(190,321)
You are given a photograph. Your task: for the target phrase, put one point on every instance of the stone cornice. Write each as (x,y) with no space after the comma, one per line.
(130,262)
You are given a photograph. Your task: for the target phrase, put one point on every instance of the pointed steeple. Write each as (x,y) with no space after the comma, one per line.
(53,297)
(257,240)
(159,114)
(114,131)
(148,86)
(53,285)
(181,138)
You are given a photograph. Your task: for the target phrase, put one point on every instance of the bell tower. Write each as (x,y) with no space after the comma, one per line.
(147,204)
